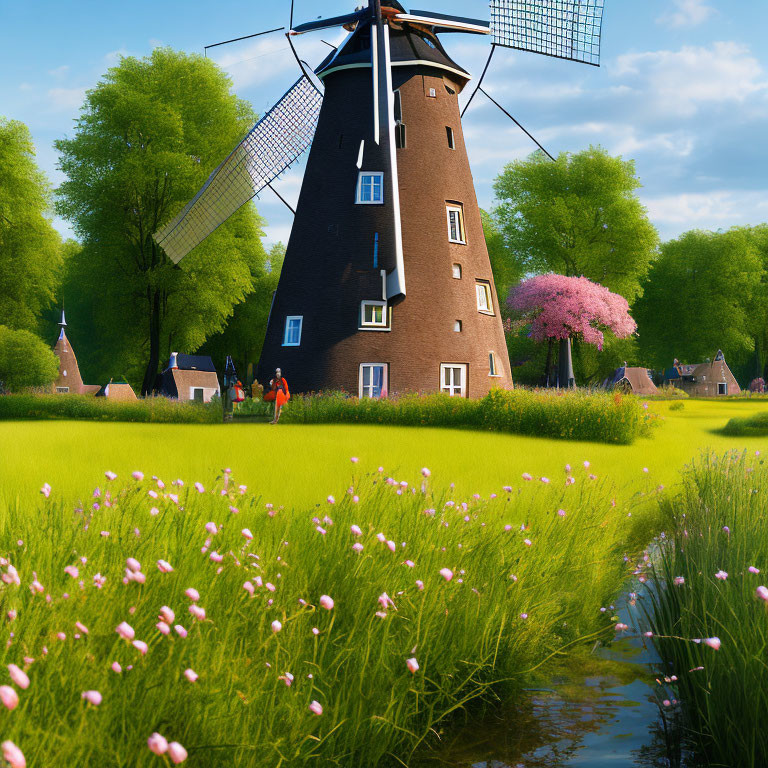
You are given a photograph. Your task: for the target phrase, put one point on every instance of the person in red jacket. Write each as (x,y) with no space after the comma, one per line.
(278,391)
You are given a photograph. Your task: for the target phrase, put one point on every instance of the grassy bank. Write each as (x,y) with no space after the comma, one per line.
(714,558)
(524,584)
(566,415)
(158,410)
(754,425)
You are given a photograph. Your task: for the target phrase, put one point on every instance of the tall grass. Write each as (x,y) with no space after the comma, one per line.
(569,415)
(150,409)
(527,585)
(754,425)
(718,524)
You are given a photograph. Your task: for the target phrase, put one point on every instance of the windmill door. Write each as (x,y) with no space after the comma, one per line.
(453,379)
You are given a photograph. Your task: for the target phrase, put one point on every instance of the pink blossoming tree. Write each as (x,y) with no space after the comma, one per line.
(564,308)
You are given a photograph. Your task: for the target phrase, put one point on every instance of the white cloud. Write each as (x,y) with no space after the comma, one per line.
(66,99)
(59,72)
(722,207)
(681,81)
(687,13)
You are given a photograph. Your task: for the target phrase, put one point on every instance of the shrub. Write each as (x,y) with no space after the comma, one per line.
(568,415)
(154,409)
(677,406)
(717,532)
(670,392)
(25,361)
(755,425)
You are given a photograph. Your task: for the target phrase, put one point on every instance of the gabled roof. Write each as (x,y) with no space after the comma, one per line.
(195,363)
(639,379)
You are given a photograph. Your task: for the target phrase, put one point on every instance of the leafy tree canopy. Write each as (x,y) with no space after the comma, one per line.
(148,136)
(705,292)
(577,216)
(30,248)
(25,360)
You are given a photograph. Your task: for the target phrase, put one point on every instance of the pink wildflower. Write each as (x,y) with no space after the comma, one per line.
(164,566)
(177,753)
(157,744)
(191,675)
(712,642)
(13,755)
(125,631)
(18,676)
(326,602)
(192,594)
(446,573)
(8,697)
(316,708)
(92,697)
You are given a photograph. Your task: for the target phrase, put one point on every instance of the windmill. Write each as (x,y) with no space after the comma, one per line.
(386,284)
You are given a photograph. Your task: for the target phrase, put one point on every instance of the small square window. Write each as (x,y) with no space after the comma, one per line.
(373,314)
(370,188)
(455,224)
(292,336)
(449,132)
(432,93)
(457,271)
(484,300)
(453,379)
(457,326)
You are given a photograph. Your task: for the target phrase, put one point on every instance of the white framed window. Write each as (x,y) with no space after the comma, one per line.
(197,393)
(62,390)
(722,387)
(372,380)
(453,379)
(449,134)
(455,224)
(457,326)
(456,268)
(292,335)
(373,314)
(370,188)
(484,300)
(493,368)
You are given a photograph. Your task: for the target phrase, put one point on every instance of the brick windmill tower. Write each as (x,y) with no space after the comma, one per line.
(386,285)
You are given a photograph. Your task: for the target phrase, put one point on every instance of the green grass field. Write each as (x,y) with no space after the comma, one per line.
(299,465)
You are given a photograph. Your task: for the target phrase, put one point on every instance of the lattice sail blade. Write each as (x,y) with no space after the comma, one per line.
(271,146)
(565,29)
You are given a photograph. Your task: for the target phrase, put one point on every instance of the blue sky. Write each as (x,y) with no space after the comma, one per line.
(683,89)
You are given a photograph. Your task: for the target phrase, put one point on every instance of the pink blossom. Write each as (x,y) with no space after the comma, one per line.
(712,642)
(276,626)
(762,593)
(18,676)
(425,472)
(166,614)
(419,584)
(116,667)
(247,534)
(8,697)
(446,573)
(357,546)
(81,627)
(140,646)
(679,580)
(191,675)
(722,575)
(164,566)
(46,490)
(326,602)
(354,459)
(13,755)
(413,665)
(72,570)
(177,753)
(157,744)
(192,594)
(163,628)
(527,476)
(249,588)
(752,569)
(110,475)
(316,708)
(621,627)
(356,530)
(92,697)
(386,601)
(197,611)
(125,631)
(180,631)
(199,488)
(138,476)
(133,564)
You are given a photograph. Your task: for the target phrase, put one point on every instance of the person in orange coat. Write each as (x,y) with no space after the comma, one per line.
(278,391)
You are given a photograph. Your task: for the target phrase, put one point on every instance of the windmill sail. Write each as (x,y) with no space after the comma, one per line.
(270,147)
(565,29)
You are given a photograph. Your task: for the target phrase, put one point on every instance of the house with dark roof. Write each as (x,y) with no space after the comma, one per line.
(188,377)
(712,378)
(632,380)
(120,391)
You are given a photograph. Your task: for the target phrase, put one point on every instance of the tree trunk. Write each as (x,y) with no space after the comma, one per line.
(566,379)
(154,347)
(548,364)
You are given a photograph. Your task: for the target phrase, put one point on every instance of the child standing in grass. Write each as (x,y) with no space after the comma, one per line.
(278,391)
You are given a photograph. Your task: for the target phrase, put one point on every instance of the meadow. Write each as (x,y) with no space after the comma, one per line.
(495,567)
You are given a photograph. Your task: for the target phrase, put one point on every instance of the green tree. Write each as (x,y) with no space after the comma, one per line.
(147,137)
(25,361)
(578,215)
(705,292)
(243,336)
(30,248)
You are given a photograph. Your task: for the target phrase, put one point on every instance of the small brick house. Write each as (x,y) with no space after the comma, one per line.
(709,379)
(636,381)
(189,377)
